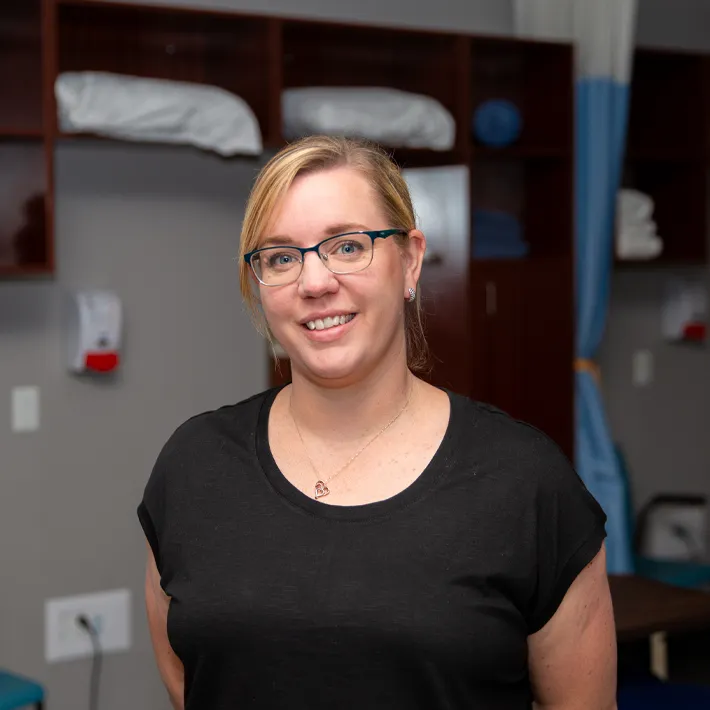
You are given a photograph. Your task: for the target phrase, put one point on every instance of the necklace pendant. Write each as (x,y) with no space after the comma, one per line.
(321,490)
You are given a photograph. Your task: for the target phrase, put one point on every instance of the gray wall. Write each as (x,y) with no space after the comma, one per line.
(664,427)
(160,225)
(674,23)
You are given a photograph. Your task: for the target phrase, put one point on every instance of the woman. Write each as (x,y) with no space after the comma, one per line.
(359,538)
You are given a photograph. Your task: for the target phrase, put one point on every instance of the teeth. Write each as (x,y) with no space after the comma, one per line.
(329,322)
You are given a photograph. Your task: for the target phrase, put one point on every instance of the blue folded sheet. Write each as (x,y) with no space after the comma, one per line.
(497,235)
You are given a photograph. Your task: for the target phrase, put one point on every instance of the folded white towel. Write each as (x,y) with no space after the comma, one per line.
(633,206)
(389,116)
(643,231)
(157,110)
(631,246)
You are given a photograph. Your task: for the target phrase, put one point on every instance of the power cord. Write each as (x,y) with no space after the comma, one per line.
(89,627)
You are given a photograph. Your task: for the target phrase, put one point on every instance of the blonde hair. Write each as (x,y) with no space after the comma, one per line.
(313,154)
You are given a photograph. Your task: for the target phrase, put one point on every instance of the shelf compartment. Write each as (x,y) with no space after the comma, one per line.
(233,52)
(23,210)
(21,67)
(679,193)
(325,54)
(537,193)
(666,120)
(538,78)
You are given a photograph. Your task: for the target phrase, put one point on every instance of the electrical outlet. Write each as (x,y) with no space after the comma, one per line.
(109,612)
(642,368)
(25,409)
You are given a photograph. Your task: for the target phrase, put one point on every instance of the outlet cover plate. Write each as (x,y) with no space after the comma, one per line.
(110,612)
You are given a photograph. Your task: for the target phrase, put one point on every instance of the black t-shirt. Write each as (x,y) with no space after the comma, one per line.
(424,600)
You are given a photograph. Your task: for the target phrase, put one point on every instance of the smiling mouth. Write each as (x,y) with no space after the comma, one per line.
(329,322)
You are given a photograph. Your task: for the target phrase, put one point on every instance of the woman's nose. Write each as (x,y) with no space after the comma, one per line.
(316,280)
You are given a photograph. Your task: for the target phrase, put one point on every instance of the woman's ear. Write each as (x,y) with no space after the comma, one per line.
(413,252)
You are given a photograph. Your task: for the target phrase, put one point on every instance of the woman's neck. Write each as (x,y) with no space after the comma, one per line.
(344,414)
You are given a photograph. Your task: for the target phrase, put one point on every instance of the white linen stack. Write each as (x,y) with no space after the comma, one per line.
(636,236)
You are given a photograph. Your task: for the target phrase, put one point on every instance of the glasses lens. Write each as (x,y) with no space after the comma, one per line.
(277,266)
(347,253)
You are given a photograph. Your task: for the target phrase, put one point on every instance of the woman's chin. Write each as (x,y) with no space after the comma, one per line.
(331,369)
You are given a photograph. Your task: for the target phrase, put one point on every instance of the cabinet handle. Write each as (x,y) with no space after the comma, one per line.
(491,298)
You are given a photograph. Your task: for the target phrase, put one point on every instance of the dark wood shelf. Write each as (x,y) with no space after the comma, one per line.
(419,158)
(21,132)
(86,137)
(661,262)
(521,152)
(198,12)
(668,158)
(19,271)
(523,260)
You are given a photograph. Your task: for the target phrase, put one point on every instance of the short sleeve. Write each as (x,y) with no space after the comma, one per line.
(570,530)
(151,510)
(159,509)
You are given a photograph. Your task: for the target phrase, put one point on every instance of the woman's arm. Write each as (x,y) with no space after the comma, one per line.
(169,665)
(572,659)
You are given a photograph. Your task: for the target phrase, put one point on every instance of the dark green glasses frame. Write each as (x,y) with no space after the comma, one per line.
(373,234)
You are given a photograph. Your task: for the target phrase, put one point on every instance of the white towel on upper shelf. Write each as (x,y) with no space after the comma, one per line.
(632,243)
(634,206)
(156,110)
(389,116)
(636,236)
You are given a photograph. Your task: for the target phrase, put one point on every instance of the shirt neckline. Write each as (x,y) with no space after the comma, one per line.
(440,461)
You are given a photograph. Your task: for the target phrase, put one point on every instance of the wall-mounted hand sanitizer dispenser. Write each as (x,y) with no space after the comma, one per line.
(94,332)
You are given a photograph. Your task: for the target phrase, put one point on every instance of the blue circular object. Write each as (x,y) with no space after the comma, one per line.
(497,123)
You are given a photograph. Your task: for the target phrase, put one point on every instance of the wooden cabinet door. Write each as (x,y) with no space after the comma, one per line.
(495,333)
(445,306)
(522,342)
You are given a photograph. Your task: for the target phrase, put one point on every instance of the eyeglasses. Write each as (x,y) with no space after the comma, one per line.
(341,254)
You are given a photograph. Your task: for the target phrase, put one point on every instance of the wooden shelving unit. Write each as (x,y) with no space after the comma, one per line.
(499,330)
(668,154)
(514,301)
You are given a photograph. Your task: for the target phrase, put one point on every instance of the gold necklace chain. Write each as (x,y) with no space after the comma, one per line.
(321,487)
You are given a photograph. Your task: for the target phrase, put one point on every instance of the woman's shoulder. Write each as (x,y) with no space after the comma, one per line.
(489,424)
(237,422)
(518,459)
(497,438)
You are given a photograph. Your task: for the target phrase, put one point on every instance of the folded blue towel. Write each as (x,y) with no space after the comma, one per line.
(497,235)
(491,251)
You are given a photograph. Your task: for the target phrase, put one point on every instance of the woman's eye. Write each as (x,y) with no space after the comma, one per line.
(347,248)
(280,259)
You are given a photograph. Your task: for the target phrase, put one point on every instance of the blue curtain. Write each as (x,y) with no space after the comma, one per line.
(601,114)
(603,33)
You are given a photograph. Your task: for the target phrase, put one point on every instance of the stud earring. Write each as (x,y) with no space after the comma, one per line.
(412,295)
